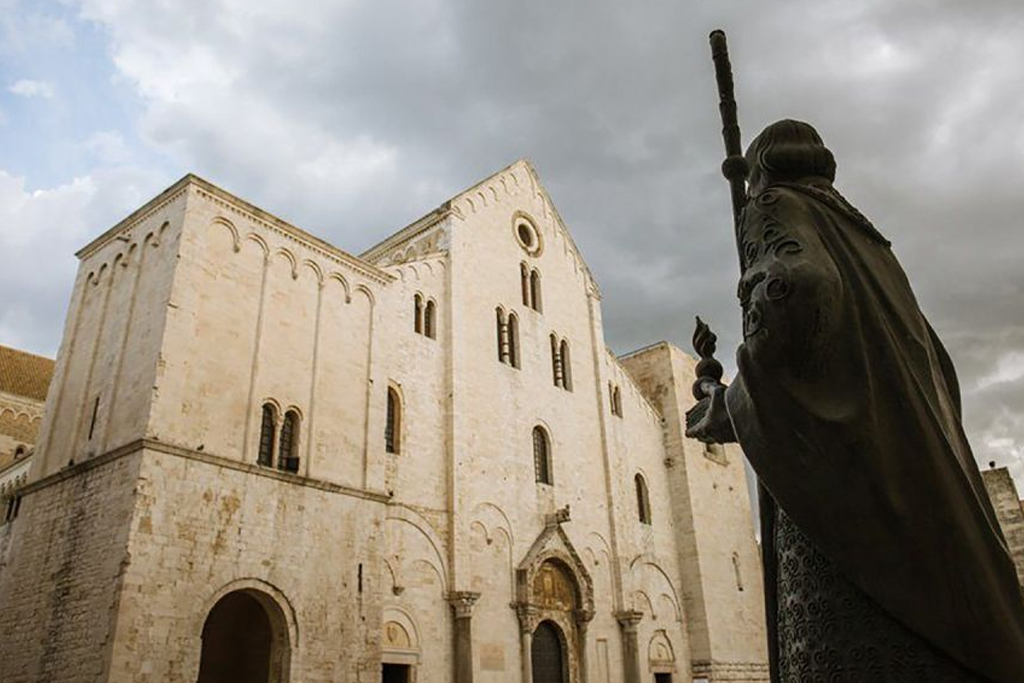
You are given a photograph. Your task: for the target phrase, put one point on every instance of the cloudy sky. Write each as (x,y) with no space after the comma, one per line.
(351,118)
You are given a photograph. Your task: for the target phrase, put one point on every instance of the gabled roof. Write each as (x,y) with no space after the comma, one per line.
(25,374)
(458,204)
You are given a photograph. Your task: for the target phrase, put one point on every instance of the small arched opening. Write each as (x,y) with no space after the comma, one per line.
(430,320)
(245,638)
(417,314)
(513,340)
(535,301)
(393,423)
(542,456)
(268,430)
(643,499)
(566,361)
(288,448)
(524,279)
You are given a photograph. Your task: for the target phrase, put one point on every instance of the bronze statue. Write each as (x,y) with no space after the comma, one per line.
(883,558)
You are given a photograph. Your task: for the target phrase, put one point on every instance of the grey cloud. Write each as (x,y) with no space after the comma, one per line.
(351,119)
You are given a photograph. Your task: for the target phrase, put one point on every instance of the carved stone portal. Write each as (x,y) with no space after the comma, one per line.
(555,603)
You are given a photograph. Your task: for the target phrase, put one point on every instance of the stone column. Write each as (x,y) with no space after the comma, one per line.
(462,605)
(527,615)
(583,618)
(628,620)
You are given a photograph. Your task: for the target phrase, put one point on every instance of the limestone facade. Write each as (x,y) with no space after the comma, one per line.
(419,464)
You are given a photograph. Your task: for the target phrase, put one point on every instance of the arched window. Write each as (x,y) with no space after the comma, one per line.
(556,363)
(267,428)
(18,452)
(417,314)
(524,280)
(288,449)
(535,290)
(566,365)
(429,320)
(643,501)
(393,423)
(541,456)
(513,340)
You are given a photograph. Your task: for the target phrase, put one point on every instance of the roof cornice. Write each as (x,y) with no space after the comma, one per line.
(239,205)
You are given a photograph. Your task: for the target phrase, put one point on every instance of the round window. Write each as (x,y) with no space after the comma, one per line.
(527,235)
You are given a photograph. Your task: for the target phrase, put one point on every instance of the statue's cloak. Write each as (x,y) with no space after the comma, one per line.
(848,408)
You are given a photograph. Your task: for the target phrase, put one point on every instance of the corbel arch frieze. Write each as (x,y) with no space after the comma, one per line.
(314,267)
(235,237)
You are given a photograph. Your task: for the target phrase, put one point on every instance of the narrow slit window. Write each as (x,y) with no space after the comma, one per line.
(643,501)
(617,401)
(288,449)
(541,456)
(267,428)
(95,412)
(418,314)
(393,423)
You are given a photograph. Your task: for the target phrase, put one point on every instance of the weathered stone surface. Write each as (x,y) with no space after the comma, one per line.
(1007,504)
(199,309)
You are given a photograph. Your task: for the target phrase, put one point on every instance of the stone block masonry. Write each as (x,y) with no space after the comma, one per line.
(63,572)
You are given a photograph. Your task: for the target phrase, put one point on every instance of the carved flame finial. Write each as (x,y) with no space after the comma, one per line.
(708,369)
(704,339)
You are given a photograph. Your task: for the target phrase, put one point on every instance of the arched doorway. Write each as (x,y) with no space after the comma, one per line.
(554,604)
(548,654)
(245,640)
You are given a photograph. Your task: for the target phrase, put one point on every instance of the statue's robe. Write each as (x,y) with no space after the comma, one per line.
(848,408)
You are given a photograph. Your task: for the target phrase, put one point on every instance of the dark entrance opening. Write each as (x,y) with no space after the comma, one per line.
(237,642)
(662,678)
(396,673)
(548,659)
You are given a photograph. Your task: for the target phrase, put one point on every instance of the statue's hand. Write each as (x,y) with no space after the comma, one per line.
(708,420)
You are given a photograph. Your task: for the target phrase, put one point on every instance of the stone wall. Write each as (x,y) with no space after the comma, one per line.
(724,590)
(61,576)
(113,331)
(1007,504)
(205,526)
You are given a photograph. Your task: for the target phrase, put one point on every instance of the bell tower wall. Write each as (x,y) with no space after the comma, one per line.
(108,358)
(718,553)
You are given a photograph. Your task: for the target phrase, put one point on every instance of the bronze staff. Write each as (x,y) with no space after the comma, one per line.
(734,168)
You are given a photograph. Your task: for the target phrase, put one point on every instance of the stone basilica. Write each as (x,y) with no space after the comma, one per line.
(264,459)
